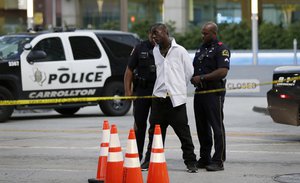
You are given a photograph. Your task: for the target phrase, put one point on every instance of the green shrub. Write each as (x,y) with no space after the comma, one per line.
(293,33)
(235,36)
(112,25)
(141,28)
(190,39)
(271,36)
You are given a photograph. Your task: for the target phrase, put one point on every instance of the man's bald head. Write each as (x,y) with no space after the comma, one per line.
(211,26)
(209,32)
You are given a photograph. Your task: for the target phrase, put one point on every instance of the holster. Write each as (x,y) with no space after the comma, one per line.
(140,82)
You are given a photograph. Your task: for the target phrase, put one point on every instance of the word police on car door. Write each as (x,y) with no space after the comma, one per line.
(62,70)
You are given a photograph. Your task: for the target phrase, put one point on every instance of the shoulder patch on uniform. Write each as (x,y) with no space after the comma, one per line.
(225,53)
(220,43)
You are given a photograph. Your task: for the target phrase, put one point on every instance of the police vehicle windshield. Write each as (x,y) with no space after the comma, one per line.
(11,47)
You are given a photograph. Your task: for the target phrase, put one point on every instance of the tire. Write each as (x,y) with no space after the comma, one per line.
(67,111)
(114,107)
(5,111)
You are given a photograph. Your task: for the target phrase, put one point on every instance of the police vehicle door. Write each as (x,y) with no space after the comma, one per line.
(50,73)
(90,66)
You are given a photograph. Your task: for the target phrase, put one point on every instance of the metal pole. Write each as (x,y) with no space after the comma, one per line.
(29,14)
(254,13)
(53,13)
(124,15)
(295,51)
(29,23)
(255,38)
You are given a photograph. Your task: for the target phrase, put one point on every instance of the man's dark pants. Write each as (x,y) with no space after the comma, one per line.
(208,109)
(141,109)
(164,114)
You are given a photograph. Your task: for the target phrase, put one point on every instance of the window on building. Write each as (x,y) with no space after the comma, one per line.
(220,11)
(101,14)
(105,14)
(281,12)
(144,10)
(228,12)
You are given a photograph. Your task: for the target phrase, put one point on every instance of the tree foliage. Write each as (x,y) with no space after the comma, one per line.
(235,36)
(293,33)
(190,39)
(272,36)
(141,28)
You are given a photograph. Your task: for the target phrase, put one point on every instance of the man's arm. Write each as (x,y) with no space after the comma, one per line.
(188,66)
(218,74)
(129,75)
(128,78)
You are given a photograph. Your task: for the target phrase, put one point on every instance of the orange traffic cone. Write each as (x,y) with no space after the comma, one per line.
(132,172)
(158,171)
(114,169)
(102,161)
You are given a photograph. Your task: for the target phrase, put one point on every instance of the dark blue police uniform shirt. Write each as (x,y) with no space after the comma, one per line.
(210,57)
(142,59)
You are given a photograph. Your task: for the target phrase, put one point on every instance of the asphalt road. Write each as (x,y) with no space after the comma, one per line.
(46,147)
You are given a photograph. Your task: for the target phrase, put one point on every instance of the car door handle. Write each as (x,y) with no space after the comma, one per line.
(101,66)
(63,69)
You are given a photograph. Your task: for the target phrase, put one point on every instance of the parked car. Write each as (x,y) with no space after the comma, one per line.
(284,97)
(55,65)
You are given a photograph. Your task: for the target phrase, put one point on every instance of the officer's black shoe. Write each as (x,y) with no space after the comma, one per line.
(202,164)
(145,166)
(191,168)
(215,167)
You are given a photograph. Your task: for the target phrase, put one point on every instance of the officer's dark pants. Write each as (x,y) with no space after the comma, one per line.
(208,109)
(164,114)
(141,108)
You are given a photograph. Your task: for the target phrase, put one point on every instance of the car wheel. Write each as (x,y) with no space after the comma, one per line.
(114,107)
(67,111)
(5,111)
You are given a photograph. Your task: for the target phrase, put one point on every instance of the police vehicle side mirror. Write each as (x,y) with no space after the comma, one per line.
(36,55)
(27,46)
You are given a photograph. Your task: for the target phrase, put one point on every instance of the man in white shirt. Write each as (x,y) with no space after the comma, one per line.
(174,69)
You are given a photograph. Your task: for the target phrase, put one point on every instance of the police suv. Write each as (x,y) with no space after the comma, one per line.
(284,97)
(56,65)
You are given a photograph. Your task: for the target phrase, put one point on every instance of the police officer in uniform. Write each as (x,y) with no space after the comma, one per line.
(211,64)
(141,73)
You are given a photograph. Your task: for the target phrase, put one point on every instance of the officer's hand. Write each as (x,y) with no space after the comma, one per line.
(195,80)
(128,93)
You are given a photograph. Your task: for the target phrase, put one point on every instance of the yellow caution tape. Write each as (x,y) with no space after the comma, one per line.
(97,99)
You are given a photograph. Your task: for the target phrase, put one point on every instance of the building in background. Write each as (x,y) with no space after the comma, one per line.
(100,14)
(12,15)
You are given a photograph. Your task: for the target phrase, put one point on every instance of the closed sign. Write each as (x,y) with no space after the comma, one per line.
(242,86)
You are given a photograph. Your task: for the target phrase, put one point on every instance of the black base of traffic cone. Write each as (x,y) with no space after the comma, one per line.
(95,181)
